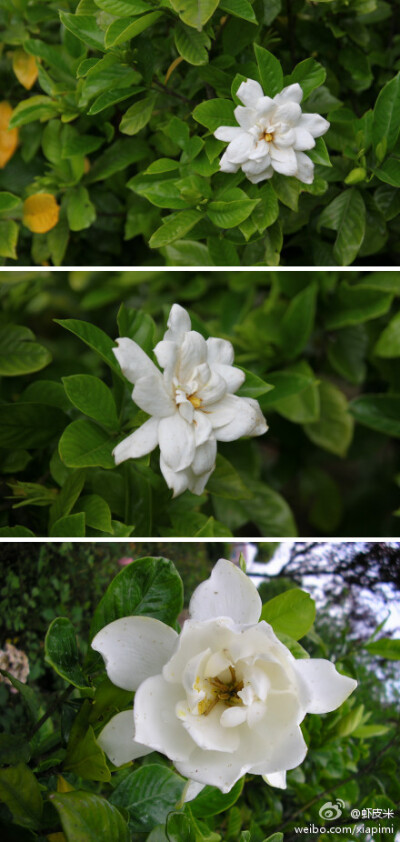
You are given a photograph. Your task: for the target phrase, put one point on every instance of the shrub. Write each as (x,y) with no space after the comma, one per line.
(112,105)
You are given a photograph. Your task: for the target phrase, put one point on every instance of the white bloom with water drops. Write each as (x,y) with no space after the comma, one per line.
(224,697)
(191,404)
(273,134)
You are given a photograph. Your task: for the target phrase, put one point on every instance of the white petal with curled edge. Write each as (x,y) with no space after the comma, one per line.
(227,593)
(250,92)
(283,160)
(198,482)
(304,140)
(176,440)
(292,93)
(246,117)
(207,732)
(232,717)
(247,420)
(193,352)
(227,133)
(133,361)
(134,648)
(203,430)
(204,459)
(226,165)
(314,123)
(233,376)
(288,112)
(178,323)
(239,149)
(166,353)
(220,351)
(277,779)
(213,768)
(150,395)
(305,168)
(142,441)
(177,481)
(156,722)
(262,176)
(191,790)
(118,742)
(323,688)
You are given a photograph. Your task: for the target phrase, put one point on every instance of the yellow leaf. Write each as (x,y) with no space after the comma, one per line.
(8,137)
(40,213)
(25,68)
(63,785)
(56,837)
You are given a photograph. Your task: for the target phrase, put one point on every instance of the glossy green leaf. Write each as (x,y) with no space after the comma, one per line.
(19,353)
(386,122)
(84,27)
(191,44)
(214,113)
(194,12)
(346,215)
(149,586)
(85,445)
(92,397)
(20,791)
(226,482)
(379,412)
(86,817)
(386,647)
(29,425)
(174,227)
(291,612)
(138,115)
(388,344)
(212,801)
(148,795)
(334,429)
(61,652)
(95,338)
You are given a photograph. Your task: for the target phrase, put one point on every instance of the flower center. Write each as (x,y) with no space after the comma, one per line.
(268,136)
(222,691)
(195,401)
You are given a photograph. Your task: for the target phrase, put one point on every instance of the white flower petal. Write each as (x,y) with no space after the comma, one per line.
(305,168)
(288,112)
(264,106)
(254,167)
(176,440)
(283,160)
(239,149)
(277,779)
(246,420)
(134,648)
(197,483)
(292,93)
(314,123)
(204,458)
(219,351)
(323,687)
(203,430)
(250,92)
(284,139)
(193,352)
(177,481)
(213,391)
(246,117)
(142,441)
(133,361)
(118,742)
(151,396)
(304,140)
(232,717)
(226,165)
(227,593)
(156,723)
(233,376)
(166,353)
(222,412)
(178,324)
(227,133)
(213,768)
(207,732)
(267,173)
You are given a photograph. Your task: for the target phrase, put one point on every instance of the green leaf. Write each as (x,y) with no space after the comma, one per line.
(346,215)
(26,694)
(386,647)
(179,828)
(379,412)
(92,397)
(122,8)
(334,429)
(67,497)
(8,201)
(86,817)
(33,108)
(309,74)
(346,351)
(118,156)
(194,12)
(148,795)
(120,31)
(239,8)
(229,214)
(61,652)
(302,407)
(388,344)
(386,122)
(366,732)
(84,756)
(97,513)
(253,385)
(270,70)
(149,586)
(298,321)
(20,791)
(286,383)
(226,482)
(18,353)
(291,612)
(354,304)
(29,425)
(95,338)
(138,115)
(81,212)
(269,511)
(191,44)
(8,238)
(214,113)
(14,749)
(212,801)
(389,171)
(348,723)
(70,526)
(137,325)
(84,27)
(174,227)
(84,445)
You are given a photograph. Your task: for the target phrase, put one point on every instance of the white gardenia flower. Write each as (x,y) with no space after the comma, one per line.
(192,403)
(224,697)
(273,134)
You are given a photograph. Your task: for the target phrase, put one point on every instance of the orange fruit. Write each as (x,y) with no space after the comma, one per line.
(40,212)
(8,137)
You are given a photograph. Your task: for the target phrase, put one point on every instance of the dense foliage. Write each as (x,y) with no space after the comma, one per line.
(48,749)
(106,132)
(321,355)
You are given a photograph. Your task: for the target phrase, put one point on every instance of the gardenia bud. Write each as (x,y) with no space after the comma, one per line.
(272,135)
(224,697)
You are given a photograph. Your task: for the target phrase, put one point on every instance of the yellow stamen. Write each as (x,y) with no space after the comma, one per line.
(268,136)
(196,402)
